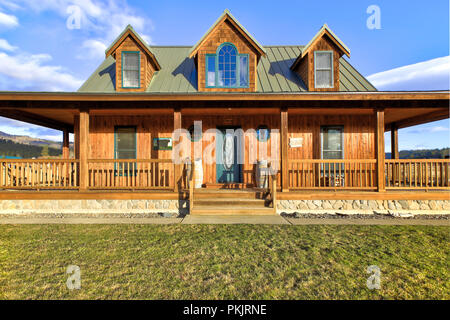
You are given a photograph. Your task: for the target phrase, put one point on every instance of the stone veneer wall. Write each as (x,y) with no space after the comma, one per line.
(174,208)
(364,206)
(167,208)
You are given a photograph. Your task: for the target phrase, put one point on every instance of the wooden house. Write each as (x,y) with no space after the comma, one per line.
(317,122)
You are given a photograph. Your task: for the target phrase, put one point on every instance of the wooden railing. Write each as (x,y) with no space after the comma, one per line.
(39,174)
(273,190)
(332,174)
(417,173)
(134,174)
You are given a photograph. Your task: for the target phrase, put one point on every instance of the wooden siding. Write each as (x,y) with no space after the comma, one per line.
(359,135)
(147,68)
(101,135)
(226,32)
(306,66)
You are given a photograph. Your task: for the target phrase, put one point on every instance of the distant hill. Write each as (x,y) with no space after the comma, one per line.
(9,148)
(422,154)
(30,141)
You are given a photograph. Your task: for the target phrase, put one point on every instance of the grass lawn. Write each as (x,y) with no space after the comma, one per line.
(223,261)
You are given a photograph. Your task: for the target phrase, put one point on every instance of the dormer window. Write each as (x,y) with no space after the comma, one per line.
(131,69)
(323,69)
(227,68)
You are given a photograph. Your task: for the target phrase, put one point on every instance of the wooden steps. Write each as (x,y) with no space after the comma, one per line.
(231,202)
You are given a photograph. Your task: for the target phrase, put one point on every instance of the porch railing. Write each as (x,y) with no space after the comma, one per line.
(332,174)
(417,174)
(39,174)
(131,174)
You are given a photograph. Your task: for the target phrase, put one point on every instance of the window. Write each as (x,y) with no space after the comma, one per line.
(332,142)
(131,69)
(124,148)
(262,133)
(227,68)
(323,69)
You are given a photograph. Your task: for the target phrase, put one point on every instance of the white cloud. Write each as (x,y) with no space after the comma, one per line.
(92,49)
(5,45)
(33,73)
(9,21)
(428,75)
(105,18)
(9,5)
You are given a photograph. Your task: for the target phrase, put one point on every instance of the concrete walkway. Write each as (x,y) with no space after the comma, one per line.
(273,220)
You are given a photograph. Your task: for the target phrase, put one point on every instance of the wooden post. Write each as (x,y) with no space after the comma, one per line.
(284,151)
(178,170)
(65,147)
(394,141)
(84,149)
(381,180)
(394,151)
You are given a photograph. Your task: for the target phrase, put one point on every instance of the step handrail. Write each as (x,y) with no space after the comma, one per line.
(191,187)
(273,187)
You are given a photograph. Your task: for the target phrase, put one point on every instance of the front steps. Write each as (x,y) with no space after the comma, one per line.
(231,202)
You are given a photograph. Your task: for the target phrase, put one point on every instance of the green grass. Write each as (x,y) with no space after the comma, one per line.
(223,261)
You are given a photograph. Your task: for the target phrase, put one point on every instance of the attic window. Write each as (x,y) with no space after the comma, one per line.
(227,68)
(323,69)
(131,69)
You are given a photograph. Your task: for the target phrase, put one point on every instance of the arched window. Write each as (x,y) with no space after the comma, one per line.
(227,68)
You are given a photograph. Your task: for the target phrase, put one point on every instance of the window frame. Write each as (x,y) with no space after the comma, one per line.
(118,169)
(139,69)
(340,127)
(216,68)
(324,69)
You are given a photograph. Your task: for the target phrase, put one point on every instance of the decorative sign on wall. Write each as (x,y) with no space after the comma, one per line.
(162,143)
(295,142)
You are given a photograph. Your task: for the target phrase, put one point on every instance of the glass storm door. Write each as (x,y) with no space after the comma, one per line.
(125,148)
(227,151)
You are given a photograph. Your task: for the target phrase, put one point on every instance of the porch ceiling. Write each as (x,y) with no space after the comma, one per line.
(57,110)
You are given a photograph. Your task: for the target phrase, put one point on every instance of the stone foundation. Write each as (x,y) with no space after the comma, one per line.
(364,206)
(166,208)
(175,208)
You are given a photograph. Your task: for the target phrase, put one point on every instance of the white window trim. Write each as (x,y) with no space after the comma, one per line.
(324,69)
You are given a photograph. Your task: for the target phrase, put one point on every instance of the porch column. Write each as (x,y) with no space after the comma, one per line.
(380,150)
(65,146)
(394,141)
(178,169)
(84,149)
(284,150)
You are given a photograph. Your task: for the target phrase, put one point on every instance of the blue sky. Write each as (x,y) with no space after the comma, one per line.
(38,51)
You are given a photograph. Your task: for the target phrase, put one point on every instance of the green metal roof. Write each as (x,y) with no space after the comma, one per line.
(178,73)
(226,12)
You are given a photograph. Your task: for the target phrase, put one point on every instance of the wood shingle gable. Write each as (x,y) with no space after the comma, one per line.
(324,40)
(130,41)
(227,16)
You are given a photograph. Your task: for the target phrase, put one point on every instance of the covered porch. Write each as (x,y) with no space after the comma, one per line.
(365,172)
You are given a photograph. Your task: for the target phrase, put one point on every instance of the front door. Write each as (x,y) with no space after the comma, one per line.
(228,148)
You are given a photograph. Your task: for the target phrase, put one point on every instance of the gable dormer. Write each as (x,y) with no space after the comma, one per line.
(226,57)
(135,63)
(318,62)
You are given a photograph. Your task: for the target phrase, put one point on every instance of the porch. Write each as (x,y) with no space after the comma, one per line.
(138,175)
(364,174)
